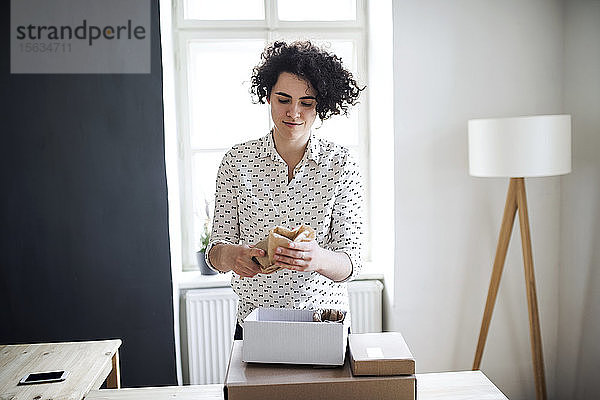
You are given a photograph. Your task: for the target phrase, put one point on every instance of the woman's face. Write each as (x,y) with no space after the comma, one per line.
(293,106)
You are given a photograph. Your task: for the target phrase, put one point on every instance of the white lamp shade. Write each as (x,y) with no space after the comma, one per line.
(520,146)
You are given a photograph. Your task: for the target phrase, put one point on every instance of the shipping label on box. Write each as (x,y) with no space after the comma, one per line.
(280,335)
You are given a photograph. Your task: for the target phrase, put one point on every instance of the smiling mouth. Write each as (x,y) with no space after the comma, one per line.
(292,123)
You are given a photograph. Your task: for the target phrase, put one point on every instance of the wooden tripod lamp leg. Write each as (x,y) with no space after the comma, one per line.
(508,220)
(534,321)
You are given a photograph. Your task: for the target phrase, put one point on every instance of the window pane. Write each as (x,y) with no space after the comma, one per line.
(204,175)
(317,10)
(340,129)
(221,112)
(224,9)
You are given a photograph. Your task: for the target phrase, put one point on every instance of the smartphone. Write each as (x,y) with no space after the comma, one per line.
(43,377)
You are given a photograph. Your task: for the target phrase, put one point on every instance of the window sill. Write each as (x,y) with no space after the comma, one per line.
(195,280)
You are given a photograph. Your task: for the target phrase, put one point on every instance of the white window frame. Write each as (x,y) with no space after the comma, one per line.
(268,29)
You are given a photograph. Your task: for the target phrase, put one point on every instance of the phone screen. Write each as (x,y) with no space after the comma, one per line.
(44,376)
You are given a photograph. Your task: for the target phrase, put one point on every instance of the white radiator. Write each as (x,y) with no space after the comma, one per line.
(365,306)
(209,316)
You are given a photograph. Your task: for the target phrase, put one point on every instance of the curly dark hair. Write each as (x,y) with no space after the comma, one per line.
(335,86)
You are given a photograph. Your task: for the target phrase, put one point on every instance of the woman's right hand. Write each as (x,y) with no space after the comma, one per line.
(236,258)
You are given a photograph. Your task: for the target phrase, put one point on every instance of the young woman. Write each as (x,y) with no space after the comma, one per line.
(290,177)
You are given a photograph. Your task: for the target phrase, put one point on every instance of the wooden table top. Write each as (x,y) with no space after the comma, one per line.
(192,392)
(88,363)
(464,385)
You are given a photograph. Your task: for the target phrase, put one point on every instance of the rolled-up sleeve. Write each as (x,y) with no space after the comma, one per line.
(225,227)
(347,230)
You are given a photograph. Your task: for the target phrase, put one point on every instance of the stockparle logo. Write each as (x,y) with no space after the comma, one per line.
(80,36)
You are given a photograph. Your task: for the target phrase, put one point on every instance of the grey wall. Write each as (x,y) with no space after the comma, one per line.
(454,61)
(84,246)
(579,321)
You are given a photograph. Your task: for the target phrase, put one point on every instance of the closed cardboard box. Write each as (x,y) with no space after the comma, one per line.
(377,354)
(250,381)
(280,335)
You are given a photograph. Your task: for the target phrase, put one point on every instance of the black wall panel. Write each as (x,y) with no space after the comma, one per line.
(84,246)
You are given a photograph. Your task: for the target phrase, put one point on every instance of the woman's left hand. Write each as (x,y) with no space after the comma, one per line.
(300,256)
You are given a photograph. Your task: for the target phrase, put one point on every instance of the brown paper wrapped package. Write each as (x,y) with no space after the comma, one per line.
(280,237)
(329,315)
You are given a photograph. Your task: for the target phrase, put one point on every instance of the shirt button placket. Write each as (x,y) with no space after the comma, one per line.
(284,198)
(285,208)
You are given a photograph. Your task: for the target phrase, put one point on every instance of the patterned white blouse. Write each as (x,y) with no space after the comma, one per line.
(253,195)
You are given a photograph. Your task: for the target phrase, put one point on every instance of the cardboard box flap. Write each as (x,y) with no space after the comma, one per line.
(384,353)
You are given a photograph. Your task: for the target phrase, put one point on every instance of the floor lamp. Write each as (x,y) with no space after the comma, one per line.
(517,148)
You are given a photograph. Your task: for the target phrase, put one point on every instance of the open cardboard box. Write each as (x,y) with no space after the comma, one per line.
(251,381)
(281,335)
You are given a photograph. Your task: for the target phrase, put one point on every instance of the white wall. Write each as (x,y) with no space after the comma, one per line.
(454,61)
(579,312)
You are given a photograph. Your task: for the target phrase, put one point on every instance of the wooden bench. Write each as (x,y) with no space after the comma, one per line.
(89,364)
